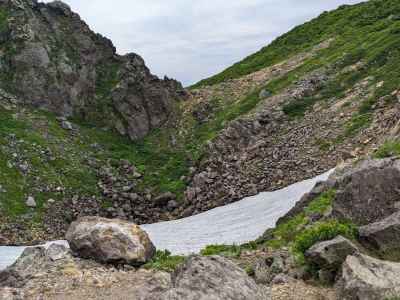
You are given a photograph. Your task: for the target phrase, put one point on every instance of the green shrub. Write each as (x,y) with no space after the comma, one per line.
(388,149)
(322,231)
(321,204)
(357,123)
(164,261)
(287,232)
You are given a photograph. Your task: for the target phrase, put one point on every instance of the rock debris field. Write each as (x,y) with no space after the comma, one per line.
(235,223)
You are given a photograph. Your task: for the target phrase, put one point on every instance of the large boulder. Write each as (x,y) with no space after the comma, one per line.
(330,255)
(368,192)
(110,241)
(213,278)
(367,278)
(383,236)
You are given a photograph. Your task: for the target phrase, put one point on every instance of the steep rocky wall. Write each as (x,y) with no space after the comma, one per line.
(52,60)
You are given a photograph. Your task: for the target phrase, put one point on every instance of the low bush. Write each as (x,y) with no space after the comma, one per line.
(164,261)
(322,231)
(388,149)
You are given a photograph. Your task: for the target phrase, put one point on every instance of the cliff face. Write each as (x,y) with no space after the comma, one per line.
(50,59)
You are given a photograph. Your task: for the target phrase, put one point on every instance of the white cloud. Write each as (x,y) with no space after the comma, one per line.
(193,40)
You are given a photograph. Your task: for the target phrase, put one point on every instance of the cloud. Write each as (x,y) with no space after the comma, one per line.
(193,40)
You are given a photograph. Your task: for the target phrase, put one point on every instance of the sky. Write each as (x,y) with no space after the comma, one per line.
(190,41)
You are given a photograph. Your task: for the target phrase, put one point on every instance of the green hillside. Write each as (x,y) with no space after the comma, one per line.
(353,27)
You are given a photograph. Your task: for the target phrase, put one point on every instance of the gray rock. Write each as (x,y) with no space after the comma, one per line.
(281,279)
(30,202)
(57,252)
(33,261)
(110,241)
(265,94)
(262,272)
(66,125)
(368,192)
(331,254)
(163,199)
(213,278)
(172,204)
(367,278)
(10,294)
(383,236)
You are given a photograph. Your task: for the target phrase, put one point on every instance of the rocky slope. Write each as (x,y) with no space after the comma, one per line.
(332,245)
(322,93)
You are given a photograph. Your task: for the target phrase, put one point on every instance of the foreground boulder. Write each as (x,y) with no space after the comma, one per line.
(383,236)
(110,241)
(367,278)
(32,262)
(368,192)
(213,278)
(330,255)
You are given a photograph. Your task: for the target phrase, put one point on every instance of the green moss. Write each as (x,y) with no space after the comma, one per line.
(224,250)
(228,250)
(3,20)
(164,261)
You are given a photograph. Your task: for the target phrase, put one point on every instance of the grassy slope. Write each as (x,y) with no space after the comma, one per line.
(367,33)
(343,22)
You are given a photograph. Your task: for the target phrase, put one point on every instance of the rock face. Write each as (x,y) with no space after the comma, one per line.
(110,241)
(55,62)
(383,236)
(212,278)
(366,278)
(369,192)
(330,255)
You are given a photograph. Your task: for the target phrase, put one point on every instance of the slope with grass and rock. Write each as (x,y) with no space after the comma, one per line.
(71,144)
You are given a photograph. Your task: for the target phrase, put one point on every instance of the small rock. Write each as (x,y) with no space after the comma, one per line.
(66,125)
(56,252)
(281,279)
(329,256)
(265,94)
(163,199)
(172,204)
(30,202)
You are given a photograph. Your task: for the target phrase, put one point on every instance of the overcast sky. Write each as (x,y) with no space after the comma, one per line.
(189,40)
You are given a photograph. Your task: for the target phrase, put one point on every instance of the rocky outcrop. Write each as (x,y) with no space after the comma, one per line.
(213,278)
(110,241)
(368,192)
(367,278)
(33,261)
(329,256)
(37,276)
(53,61)
(383,236)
